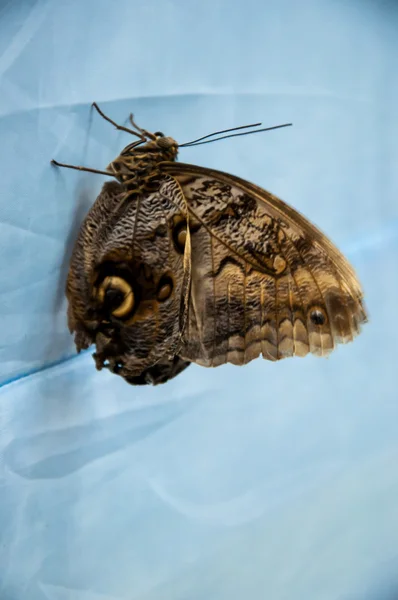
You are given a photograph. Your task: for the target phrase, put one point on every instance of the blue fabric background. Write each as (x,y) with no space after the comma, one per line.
(274,481)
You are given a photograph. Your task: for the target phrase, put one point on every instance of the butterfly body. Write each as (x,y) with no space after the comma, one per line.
(136,167)
(177,263)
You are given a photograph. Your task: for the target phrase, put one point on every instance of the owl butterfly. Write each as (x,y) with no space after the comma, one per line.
(177,263)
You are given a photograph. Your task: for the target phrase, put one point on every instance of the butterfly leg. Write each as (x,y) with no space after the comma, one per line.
(87,169)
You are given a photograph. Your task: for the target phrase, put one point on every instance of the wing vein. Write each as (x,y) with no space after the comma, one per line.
(228,315)
(261,316)
(214,300)
(291,310)
(244,313)
(307,266)
(298,290)
(136,222)
(276,318)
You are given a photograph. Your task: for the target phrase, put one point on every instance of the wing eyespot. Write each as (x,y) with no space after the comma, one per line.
(116,296)
(180,236)
(165,288)
(279,264)
(318,316)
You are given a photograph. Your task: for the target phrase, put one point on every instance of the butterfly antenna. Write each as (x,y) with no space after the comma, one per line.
(219,132)
(198,142)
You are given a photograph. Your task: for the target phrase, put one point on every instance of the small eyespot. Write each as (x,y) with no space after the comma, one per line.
(279,264)
(159,134)
(180,236)
(116,296)
(165,289)
(318,316)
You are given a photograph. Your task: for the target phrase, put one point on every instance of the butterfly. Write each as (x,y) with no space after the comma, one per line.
(177,264)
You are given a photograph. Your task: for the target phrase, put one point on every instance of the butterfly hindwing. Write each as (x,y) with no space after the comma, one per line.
(129,241)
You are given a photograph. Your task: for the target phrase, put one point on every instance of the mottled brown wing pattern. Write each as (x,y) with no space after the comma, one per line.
(264,280)
(128,240)
(78,286)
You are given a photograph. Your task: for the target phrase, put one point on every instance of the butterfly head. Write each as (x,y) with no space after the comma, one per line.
(166,145)
(159,147)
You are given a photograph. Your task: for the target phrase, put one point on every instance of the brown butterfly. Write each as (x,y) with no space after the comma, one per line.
(177,263)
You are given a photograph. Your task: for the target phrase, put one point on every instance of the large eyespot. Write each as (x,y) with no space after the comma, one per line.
(165,288)
(159,134)
(318,316)
(180,236)
(116,296)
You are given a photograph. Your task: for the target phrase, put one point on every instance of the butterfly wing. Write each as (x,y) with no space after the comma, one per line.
(133,239)
(264,280)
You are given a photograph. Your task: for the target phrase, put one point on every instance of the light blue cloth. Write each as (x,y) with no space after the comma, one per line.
(273,481)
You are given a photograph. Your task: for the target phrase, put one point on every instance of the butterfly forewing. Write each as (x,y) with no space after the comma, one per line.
(264,280)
